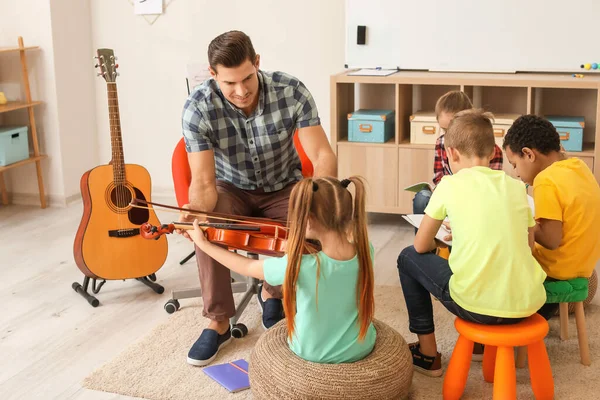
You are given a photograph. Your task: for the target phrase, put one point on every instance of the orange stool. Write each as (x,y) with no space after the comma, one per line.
(443,252)
(499,359)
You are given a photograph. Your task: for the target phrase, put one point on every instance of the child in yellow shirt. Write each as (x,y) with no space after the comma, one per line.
(566,197)
(491,276)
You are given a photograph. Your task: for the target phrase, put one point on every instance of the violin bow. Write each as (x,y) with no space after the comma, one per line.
(139,203)
(232,227)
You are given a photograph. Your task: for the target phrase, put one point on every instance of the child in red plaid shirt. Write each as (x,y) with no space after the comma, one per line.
(445,108)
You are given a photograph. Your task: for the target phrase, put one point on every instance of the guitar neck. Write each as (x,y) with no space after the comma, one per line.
(118,159)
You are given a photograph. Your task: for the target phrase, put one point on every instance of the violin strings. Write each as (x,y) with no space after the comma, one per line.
(277,227)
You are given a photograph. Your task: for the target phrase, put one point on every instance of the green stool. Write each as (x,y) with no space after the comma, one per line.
(564,292)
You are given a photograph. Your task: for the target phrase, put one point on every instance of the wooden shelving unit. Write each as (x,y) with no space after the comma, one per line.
(17,105)
(392,166)
(28,104)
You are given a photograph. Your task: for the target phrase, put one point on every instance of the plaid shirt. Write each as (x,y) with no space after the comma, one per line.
(256,151)
(441,166)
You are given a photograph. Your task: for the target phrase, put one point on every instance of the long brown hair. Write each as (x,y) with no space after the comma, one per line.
(329,203)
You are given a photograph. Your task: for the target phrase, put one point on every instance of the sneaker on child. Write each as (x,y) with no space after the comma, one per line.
(430,366)
(271,309)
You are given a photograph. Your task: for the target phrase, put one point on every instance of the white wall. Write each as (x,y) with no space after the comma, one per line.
(304,38)
(31,20)
(75,90)
(61,74)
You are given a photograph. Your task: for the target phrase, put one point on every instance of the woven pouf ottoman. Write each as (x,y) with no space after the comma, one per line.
(277,373)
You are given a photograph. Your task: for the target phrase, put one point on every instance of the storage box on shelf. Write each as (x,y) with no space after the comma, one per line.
(501,125)
(371,126)
(14,144)
(391,166)
(570,130)
(13,147)
(424,128)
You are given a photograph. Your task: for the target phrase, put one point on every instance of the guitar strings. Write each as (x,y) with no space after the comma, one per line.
(117,162)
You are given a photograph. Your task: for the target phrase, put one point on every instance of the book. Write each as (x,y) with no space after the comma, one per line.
(233,376)
(416,219)
(531,204)
(417,187)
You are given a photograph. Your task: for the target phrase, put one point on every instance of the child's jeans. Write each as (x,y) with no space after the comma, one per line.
(421,200)
(422,274)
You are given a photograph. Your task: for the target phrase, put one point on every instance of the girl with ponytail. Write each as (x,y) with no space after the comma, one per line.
(327,296)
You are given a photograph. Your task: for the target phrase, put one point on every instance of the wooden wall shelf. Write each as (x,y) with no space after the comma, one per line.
(28,104)
(23,162)
(15,49)
(392,166)
(17,105)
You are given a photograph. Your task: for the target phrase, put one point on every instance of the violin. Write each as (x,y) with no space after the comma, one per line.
(251,234)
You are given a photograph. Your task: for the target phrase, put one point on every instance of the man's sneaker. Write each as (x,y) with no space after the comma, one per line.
(477,352)
(204,351)
(271,309)
(430,366)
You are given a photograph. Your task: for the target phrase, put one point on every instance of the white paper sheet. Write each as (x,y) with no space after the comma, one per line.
(197,73)
(373,72)
(148,7)
(416,219)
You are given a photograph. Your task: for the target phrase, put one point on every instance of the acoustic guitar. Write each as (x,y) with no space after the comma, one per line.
(108,244)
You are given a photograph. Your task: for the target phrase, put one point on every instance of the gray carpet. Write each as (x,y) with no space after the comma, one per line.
(155,367)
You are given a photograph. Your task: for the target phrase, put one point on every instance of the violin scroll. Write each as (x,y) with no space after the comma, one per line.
(149,231)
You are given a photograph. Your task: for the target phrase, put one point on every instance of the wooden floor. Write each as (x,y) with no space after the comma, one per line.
(51,338)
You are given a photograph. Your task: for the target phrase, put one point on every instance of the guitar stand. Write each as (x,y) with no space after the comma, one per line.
(94,302)
(150,282)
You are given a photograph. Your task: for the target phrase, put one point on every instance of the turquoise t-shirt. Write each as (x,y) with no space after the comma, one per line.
(328,334)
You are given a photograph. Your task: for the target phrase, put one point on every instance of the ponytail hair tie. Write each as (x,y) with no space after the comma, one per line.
(345,183)
(315,186)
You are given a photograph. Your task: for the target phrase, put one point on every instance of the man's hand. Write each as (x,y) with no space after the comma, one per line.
(184,217)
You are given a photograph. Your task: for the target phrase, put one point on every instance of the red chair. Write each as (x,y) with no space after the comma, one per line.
(182,175)
(182,178)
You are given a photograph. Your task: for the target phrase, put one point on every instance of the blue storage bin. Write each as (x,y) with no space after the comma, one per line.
(372,126)
(570,130)
(14,144)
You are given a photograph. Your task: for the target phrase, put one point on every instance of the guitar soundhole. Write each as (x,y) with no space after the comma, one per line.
(120,196)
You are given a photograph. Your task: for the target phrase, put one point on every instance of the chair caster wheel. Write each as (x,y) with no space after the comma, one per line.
(238,331)
(171,306)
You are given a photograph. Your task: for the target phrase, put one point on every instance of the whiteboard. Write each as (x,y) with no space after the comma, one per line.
(475,35)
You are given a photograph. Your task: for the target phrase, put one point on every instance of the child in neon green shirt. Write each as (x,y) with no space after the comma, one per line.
(491,276)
